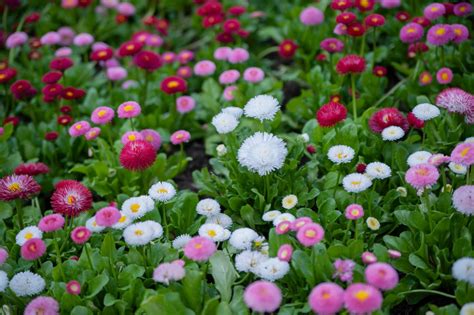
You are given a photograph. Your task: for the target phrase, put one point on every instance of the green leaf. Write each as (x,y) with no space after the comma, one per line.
(95,285)
(165,304)
(80,310)
(192,291)
(417,261)
(223,273)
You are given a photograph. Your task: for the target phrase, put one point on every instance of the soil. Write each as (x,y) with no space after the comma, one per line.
(196,151)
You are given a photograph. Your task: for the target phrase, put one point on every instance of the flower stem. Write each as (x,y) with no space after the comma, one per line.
(19,213)
(145,89)
(354,103)
(430,291)
(164,221)
(58,258)
(86,248)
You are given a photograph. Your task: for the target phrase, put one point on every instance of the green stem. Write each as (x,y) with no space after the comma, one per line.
(19,213)
(164,221)
(145,89)
(354,102)
(58,258)
(86,248)
(362,45)
(430,291)
(5,18)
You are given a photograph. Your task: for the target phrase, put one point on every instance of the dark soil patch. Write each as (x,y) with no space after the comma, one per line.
(196,151)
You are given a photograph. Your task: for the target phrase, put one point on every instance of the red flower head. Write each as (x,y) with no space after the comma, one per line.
(173,84)
(225,38)
(356,29)
(84,3)
(7,75)
(379,71)
(35,43)
(414,122)
(51,136)
(209,8)
(402,16)
(360,168)
(64,120)
(330,114)
(212,20)
(140,36)
(18,187)
(61,63)
(102,54)
(231,26)
(65,109)
(52,90)
(31,169)
(422,21)
(449,8)
(11,119)
(32,18)
(237,10)
(120,18)
(162,26)
(341,5)
(416,48)
(22,89)
(311,149)
(51,77)
(387,117)
(34,55)
(364,5)
(147,60)
(70,198)
(350,64)
(287,48)
(320,57)
(374,20)
(243,33)
(346,18)
(130,48)
(149,20)
(137,155)
(71,93)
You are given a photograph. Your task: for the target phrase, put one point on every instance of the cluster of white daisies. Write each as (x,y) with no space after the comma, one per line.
(423,157)
(24,283)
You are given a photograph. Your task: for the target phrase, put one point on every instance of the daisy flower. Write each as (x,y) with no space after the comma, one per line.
(467,309)
(362,298)
(463,269)
(71,198)
(326,298)
(381,275)
(289,201)
(155,227)
(242,238)
(262,296)
(199,248)
(137,207)
(283,217)
(457,168)
(18,187)
(3,281)
(28,233)
(418,157)
(248,261)
(426,111)
(270,215)
(463,199)
(213,231)
(234,111)
(262,107)
(224,123)
(180,241)
(42,305)
(162,191)
(341,154)
(356,183)
(422,176)
(123,222)
(378,170)
(463,154)
(138,234)
(272,269)
(392,133)
(93,226)
(222,219)
(373,223)
(208,207)
(27,284)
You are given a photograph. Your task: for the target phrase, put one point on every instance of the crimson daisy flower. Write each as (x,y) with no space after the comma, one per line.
(31,169)
(387,117)
(330,114)
(137,155)
(18,187)
(70,198)
(173,84)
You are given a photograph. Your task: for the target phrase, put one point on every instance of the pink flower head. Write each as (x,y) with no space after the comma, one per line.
(440,34)
(360,298)
(16,39)
(461,33)
(204,68)
(180,136)
(340,29)
(463,154)
(129,84)
(80,235)
(462,9)
(168,57)
(83,39)
(262,296)
(116,73)
(69,4)
(99,46)
(79,128)
(311,16)
(444,76)
(354,212)
(434,11)
(73,287)
(455,100)
(33,249)
(390,4)
(381,275)
(129,109)
(184,72)
(463,199)
(63,52)
(42,305)
(185,56)
(154,40)
(199,248)
(332,45)
(254,75)
(228,93)
(125,8)
(238,55)
(166,272)
(411,33)
(344,269)
(102,115)
(394,254)
(300,222)
(185,104)
(3,255)
(285,252)
(130,136)
(67,35)
(222,53)
(283,227)
(92,134)
(368,258)
(425,78)
(107,216)
(326,298)
(422,176)
(310,234)
(152,137)
(50,38)
(229,76)
(51,222)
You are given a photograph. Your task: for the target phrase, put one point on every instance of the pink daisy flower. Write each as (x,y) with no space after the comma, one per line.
(394,254)
(444,76)
(131,136)
(185,104)
(102,115)
(438,159)
(73,287)
(33,249)
(80,128)
(129,109)
(440,34)
(368,258)
(326,298)
(92,134)
(107,216)
(71,198)
(283,227)
(167,272)
(80,235)
(463,154)
(422,176)
(229,92)
(425,78)
(311,16)
(332,45)
(360,298)
(262,296)
(3,255)
(455,100)
(434,11)
(411,32)
(300,222)
(229,76)
(152,137)
(42,305)
(344,269)
(461,33)
(238,55)
(463,199)
(222,53)
(381,275)
(51,222)
(204,68)
(18,187)
(462,9)
(254,75)
(199,248)
(354,212)
(285,252)
(180,136)
(310,234)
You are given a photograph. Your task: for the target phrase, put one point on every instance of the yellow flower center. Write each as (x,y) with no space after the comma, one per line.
(138,232)
(78,127)
(149,138)
(355,212)
(101,113)
(2,76)
(163,190)
(132,137)
(14,187)
(326,295)
(198,245)
(102,54)
(71,199)
(172,84)
(130,47)
(434,9)
(122,219)
(465,151)
(362,295)
(28,235)
(135,207)
(440,31)
(287,47)
(211,233)
(356,182)
(128,108)
(310,233)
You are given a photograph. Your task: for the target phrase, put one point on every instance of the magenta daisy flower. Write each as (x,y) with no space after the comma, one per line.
(263,296)
(411,33)
(463,199)
(326,298)
(80,128)
(51,222)
(199,248)
(360,298)
(422,176)
(129,109)
(102,115)
(381,275)
(440,34)
(18,187)
(455,100)
(463,154)
(71,198)
(461,33)
(42,305)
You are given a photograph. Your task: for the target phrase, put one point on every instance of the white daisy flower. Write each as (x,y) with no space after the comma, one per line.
(162,191)
(27,284)
(135,207)
(234,111)
(227,234)
(28,233)
(340,154)
(378,170)
(305,137)
(3,281)
(242,238)
(469,140)
(270,215)
(289,201)
(259,242)
(272,269)
(457,168)
(426,111)
(373,223)
(138,234)
(356,183)
(418,157)
(92,225)
(181,240)
(155,227)
(283,217)
(392,133)
(123,222)
(221,150)
(222,219)
(149,203)
(402,191)
(212,231)
(208,207)
(463,269)
(467,309)
(224,123)
(262,153)
(248,261)
(262,107)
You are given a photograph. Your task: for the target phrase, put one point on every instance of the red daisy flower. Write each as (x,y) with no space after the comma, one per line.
(231,26)
(51,135)
(350,64)
(364,5)
(52,90)
(287,48)
(330,114)
(137,155)
(61,63)
(102,54)
(356,29)
(7,74)
(414,122)
(18,187)
(360,168)
(346,18)
(379,71)
(341,5)
(225,38)
(31,169)
(147,60)
(70,198)
(387,117)
(173,84)
(22,89)
(130,48)
(374,20)
(51,77)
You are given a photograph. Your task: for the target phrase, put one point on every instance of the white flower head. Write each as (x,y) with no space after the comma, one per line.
(27,233)
(469,140)
(222,219)
(402,191)
(340,154)
(221,150)
(457,168)
(212,231)
(243,238)
(392,133)
(162,191)
(181,240)
(123,222)
(426,111)
(234,111)
(373,223)
(208,207)
(378,170)
(138,234)
(155,227)
(270,215)
(467,309)
(289,201)
(27,284)
(92,225)
(356,183)
(224,123)
(262,107)
(305,137)
(418,157)
(463,269)
(135,207)
(283,217)
(248,261)
(273,269)
(3,281)
(262,153)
